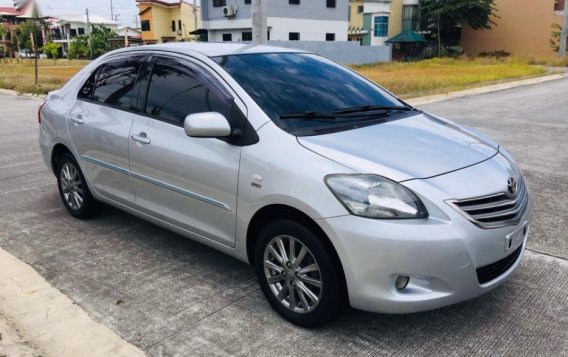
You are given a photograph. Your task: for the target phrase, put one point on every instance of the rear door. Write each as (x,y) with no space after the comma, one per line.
(188,182)
(99,123)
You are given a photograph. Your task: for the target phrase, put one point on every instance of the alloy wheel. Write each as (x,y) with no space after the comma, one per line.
(293,274)
(71,186)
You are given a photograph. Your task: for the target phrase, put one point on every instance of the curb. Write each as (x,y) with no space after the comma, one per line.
(484,90)
(49,319)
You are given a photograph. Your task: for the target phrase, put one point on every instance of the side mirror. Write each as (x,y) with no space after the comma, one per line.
(207,125)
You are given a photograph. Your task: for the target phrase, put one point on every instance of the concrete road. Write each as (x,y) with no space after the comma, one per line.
(171,296)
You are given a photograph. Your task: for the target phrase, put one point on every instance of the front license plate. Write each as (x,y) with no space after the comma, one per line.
(514,239)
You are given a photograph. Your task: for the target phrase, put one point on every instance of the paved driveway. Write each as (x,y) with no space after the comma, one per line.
(171,296)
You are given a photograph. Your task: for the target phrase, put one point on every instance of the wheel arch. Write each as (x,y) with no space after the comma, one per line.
(58,150)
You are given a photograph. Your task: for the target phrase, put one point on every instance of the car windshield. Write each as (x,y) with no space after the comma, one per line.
(306,94)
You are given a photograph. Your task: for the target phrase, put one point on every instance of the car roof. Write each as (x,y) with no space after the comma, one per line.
(213,49)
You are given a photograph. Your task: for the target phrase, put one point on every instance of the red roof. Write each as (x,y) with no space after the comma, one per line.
(8,10)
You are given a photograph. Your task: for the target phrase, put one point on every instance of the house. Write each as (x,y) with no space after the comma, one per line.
(168,20)
(287,20)
(369,21)
(523,27)
(10,18)
(66,27)
(404,36)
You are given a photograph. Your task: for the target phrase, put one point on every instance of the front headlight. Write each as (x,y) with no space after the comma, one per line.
(374,196)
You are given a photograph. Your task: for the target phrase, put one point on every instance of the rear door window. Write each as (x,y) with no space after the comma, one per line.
(115,83)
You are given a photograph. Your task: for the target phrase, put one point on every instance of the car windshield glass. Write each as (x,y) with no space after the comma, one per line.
(288,85)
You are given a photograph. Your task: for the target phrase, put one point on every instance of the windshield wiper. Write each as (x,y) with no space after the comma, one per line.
(370,108)
(308,115)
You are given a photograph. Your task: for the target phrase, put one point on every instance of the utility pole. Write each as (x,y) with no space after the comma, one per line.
(564,32)
(89,39)
(259,25)
(194,16)
(111,11)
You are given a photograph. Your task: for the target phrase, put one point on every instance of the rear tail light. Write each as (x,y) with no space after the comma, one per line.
(39,112)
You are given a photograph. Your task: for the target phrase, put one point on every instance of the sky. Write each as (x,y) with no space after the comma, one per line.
(125,9)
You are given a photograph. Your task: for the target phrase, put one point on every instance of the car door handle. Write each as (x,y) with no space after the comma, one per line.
(78,119)
(141,138)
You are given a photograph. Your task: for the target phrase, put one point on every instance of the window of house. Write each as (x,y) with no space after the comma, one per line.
(247,36)
(294,2)
(381,26)
(114,83)
(227,37)
(73,32)
(176,91)
(219,3)
(179,26)
(410,17)
(173,25)
(330,3)
(145,24)
(360,9)
(81,31)
(247,1)
(330,37)
(294,36)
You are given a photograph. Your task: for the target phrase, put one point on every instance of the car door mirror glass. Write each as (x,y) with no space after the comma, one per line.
(207,125)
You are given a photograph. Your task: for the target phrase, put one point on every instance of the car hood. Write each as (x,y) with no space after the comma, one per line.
(419,146)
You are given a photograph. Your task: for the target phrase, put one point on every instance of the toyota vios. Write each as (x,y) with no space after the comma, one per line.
(335,190)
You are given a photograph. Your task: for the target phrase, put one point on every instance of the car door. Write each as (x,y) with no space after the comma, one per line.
(99,123)
(188,182)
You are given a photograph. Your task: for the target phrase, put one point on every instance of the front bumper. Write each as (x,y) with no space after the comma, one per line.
(440,254)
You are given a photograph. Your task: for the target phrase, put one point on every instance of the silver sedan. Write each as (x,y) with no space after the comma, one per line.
(334,189)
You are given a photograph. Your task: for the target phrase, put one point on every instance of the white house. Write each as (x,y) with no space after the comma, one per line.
(65,28)
(288,20)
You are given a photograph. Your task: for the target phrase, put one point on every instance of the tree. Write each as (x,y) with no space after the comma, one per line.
(3,32)
(100,39)
(555,37)
(79,48)
(443,17)
(52,50)
(24,33)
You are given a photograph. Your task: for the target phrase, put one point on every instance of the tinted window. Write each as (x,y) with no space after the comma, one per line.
(176,91)
(283,83)
(86,91)
(115,82)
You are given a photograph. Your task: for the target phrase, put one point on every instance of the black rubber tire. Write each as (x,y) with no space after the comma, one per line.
(90,206)
(334,291)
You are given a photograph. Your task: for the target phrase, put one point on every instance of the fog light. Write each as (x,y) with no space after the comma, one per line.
(401,282)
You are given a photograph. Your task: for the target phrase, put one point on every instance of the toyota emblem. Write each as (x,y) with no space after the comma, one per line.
(512,186)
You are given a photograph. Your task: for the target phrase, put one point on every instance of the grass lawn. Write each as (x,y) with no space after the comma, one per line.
(19,76)
(443,75)
(406,79)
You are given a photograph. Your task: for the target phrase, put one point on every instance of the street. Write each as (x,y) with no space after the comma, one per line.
(171,296)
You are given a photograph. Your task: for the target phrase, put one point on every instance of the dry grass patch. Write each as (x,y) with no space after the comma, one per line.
(406,79)
(443,75)
(19,76)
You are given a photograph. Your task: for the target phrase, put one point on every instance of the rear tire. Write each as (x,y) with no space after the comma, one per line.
(298,274)
(73,189)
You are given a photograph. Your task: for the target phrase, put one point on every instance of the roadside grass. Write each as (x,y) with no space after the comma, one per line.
(443,75)
(19,76)
(406,79)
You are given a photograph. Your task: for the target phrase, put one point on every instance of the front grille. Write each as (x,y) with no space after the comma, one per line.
(489,272)
(496,210)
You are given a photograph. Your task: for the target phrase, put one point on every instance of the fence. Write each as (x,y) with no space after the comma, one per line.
(345,52)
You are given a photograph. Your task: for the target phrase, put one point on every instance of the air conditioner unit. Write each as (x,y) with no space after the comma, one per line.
(229,11)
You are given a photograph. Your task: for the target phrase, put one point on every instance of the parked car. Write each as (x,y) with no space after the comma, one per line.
(334,189)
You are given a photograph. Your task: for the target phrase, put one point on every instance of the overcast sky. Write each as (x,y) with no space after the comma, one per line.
(125,9)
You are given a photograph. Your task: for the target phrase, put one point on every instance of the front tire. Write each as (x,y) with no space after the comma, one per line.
(73,189)
(298,274)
